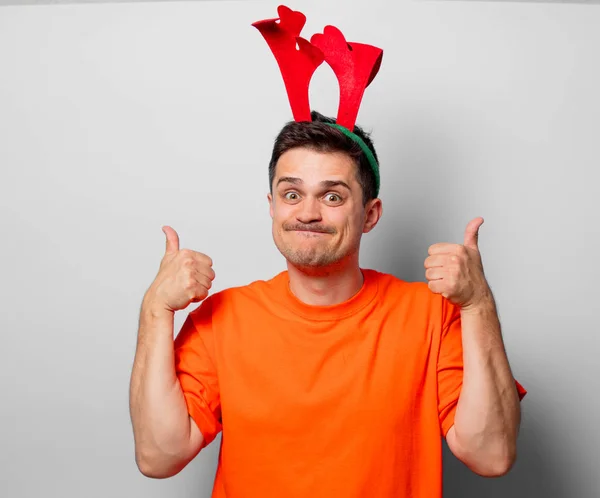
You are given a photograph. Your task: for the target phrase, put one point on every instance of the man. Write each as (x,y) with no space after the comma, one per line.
(327,380)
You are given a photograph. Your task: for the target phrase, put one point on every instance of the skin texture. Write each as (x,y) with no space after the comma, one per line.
(318,221)
(488,415)
(165,444)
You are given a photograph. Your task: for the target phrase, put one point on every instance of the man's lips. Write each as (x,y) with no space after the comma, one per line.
(309,231)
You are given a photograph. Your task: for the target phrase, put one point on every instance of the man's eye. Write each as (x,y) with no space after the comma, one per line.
(291,196)
(333,198)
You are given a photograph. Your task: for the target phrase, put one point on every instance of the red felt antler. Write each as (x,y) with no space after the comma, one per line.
(297,65)
(354,64)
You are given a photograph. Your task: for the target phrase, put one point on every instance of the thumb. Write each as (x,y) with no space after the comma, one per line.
(172,240)
(472,233)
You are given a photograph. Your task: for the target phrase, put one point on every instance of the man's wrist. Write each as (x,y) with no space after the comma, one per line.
(154,309)
(483,306)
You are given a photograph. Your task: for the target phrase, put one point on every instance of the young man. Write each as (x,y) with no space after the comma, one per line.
(327,380)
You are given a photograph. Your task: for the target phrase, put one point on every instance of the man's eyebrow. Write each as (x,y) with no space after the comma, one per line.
(324,183)
(289,179)
(335,183)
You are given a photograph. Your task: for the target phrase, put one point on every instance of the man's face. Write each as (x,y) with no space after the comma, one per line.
(317,208)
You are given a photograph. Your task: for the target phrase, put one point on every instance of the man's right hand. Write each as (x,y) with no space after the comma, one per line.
(184,276)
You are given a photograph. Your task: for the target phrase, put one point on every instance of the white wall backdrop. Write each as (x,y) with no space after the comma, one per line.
(116,119)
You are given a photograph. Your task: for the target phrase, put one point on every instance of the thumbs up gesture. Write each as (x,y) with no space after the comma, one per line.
(456,271)
(184,276)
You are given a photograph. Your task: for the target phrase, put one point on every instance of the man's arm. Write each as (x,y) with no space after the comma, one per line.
(488,414)
(166,437)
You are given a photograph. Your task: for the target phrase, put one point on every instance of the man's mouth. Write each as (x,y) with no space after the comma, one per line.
(304,230)
(312,229)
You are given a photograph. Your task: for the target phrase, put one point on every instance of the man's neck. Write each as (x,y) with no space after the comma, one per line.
(326,286)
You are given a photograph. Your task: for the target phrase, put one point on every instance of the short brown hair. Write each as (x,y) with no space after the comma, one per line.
(321,137)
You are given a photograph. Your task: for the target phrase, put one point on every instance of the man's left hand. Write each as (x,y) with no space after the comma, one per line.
(456,272)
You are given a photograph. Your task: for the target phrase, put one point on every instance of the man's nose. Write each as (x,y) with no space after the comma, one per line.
(309,210)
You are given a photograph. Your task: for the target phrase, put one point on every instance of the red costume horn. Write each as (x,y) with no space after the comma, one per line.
(297,65)
(354,64)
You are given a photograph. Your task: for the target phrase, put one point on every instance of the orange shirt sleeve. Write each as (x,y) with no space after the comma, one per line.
(450,366)
(196,370)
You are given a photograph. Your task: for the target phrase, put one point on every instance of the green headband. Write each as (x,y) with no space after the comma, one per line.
(365,149)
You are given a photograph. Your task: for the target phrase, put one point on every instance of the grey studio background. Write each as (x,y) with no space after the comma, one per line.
(118,118)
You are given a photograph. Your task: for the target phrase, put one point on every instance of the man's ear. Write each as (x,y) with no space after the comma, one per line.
(374,211)
(270,199)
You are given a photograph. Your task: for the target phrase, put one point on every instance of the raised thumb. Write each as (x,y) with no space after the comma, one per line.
(172,240)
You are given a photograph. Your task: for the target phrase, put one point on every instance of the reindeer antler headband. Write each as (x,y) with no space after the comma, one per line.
(354,64)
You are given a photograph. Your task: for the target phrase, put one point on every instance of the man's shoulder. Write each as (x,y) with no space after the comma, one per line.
(415,295)
(413,301)
(255,290)
(239,298)
(389,281)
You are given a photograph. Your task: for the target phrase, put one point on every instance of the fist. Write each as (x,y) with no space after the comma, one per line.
(456,270)
(184,276)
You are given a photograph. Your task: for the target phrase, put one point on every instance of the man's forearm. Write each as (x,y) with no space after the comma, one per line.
(158,410)
(488,414)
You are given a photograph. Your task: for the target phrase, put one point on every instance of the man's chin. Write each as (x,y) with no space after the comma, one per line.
(308,264)
(307,254)
(312,259)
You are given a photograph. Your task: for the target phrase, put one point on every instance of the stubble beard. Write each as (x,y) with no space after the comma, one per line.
(318,255)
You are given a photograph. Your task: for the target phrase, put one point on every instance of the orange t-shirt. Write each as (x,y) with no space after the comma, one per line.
(349,400)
